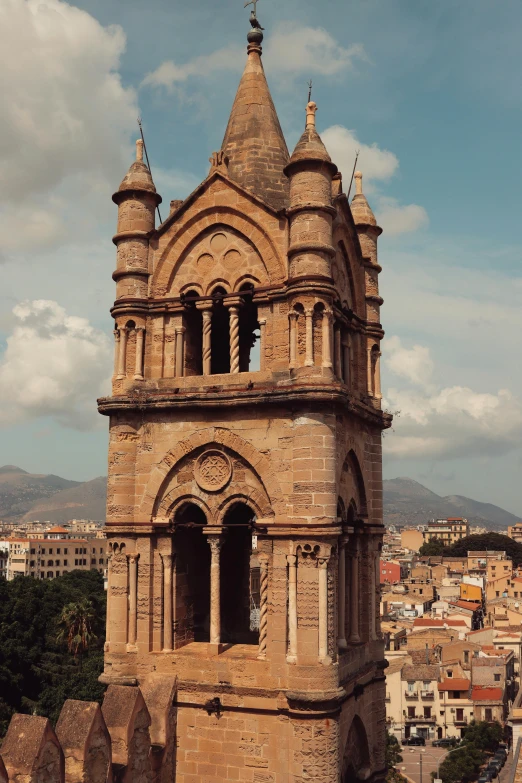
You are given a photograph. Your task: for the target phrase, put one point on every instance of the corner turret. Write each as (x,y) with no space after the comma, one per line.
(311,213)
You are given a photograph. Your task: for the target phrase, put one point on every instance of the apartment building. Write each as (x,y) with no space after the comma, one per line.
(447,530)
(49,558)
(420,700)
(515,532)
(4,557)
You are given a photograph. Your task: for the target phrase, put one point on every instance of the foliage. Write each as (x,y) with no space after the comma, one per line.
(484,735)
(486,542)
(38,671)
(76,623)
(463,765)
(432,548)
(393,757)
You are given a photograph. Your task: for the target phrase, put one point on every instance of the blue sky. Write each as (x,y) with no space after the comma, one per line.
(430,93)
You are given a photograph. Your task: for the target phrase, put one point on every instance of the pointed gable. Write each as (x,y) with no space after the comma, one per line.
(254,143)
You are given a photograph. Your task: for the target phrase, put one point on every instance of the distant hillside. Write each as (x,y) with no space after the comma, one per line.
(19,490)
(406,502)
(84,501)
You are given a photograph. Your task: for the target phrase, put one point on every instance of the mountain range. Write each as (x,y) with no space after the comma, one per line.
(25,497)
(406,502)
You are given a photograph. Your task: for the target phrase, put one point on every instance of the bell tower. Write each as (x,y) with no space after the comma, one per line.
(245,479)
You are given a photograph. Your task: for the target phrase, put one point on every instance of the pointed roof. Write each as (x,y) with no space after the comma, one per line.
(254,143)
(310,146)
(138,177)
(361,210)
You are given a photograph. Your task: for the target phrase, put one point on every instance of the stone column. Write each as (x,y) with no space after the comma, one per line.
(354,598)
(207,337)
(180,346)
(109,603)
(292,608)
(377,376)
(116,351)
(234,338)
(263,605)
(341,630)
(133,598)
(262,343)
(138,372)
(347,359)
(167,602)
(293,338)
(370,372)
(323,610)
(309,355)
(376,593)
(215,543)
(122,358)
(338,360)
(327,338)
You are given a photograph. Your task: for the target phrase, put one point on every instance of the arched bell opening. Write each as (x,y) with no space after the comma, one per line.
(239,579)
(192,576)
(193,335)
(249,336)
(220,338)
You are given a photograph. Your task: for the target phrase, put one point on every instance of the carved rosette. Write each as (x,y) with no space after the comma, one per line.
(213,470)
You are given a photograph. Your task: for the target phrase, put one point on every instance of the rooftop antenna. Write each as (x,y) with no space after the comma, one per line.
(353,172)
(147,159)
(310,85)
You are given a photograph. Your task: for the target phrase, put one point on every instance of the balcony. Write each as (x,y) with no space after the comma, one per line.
(411,695)
(461,721)
(428,695)
(420,719)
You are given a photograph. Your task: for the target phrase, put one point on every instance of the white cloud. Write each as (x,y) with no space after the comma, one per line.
(375,163)
(64,107)
(397,218)
(445,422)
(377,166)
(290,50)
(54,365)
(415,364)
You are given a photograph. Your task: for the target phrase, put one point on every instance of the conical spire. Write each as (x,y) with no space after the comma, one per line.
(361,210)
(310,146)
(254,143)
(138,176)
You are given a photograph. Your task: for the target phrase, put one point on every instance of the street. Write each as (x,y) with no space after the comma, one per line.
(411,766)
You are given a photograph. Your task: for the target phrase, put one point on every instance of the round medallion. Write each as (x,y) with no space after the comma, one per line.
(213,471)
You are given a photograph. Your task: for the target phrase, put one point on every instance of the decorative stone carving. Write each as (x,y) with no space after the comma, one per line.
(213,470)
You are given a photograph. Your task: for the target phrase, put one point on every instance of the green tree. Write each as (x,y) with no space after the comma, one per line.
(37,670)
(487,542)
(393,757)
(484,735)
(76,623)
(432,548)
(463,765)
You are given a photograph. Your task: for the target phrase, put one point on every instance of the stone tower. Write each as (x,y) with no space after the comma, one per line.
(245,482)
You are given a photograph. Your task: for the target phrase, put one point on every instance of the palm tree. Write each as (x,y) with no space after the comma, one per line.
(76,623)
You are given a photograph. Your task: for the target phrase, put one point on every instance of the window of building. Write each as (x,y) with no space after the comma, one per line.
(50,550)
(65,551)
(488,714)
(450,672)
(43,551)
(411,712)
(426,685)
(496,677)
(411,687)
(427,712)
(65,562)
(33,551)
(59,551)
(220,335)
(76,551)
(466,656)
(459,714)
(497,593)
(76,562)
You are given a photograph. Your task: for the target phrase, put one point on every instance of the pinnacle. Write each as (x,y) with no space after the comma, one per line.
(361,210)
(254,142)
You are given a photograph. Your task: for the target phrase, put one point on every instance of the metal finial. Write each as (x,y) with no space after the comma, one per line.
(310,85)
(254,21)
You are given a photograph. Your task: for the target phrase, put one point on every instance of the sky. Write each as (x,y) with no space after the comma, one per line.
(430,93)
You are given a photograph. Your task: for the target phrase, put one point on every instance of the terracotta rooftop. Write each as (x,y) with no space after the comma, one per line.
(486,694)
(420,671)
(424,622)
(57,530)
(471,605)
(454,684)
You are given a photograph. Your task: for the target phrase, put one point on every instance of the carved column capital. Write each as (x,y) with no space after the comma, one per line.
(291,560)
